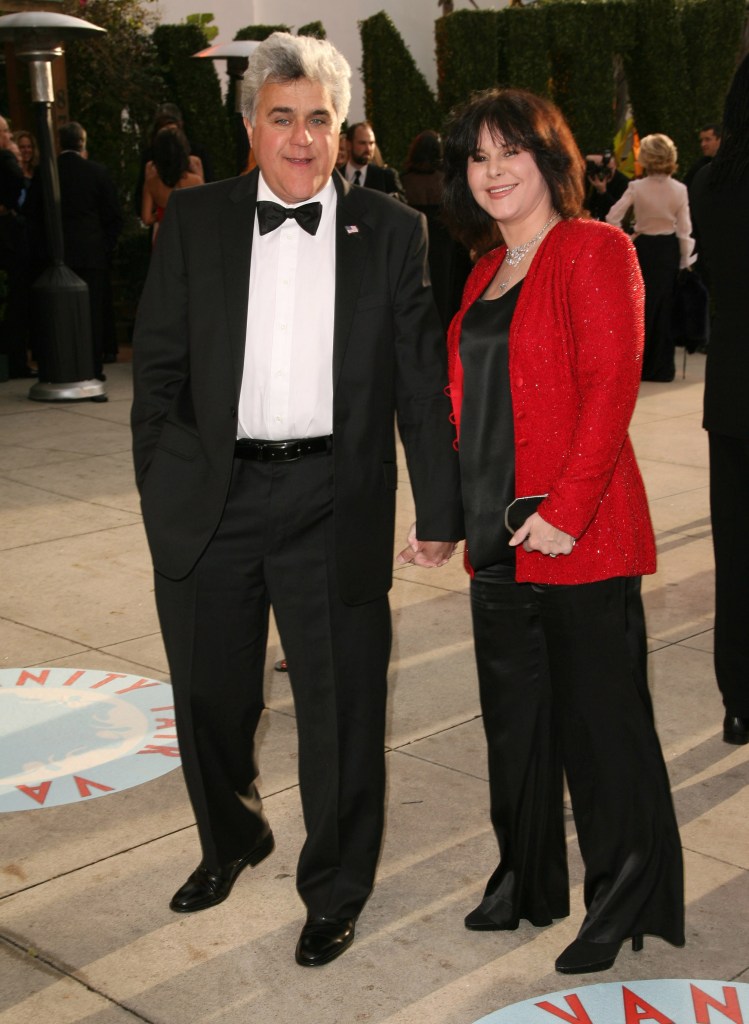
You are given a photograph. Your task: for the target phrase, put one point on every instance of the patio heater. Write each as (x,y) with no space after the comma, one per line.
(237,55)
(61,319)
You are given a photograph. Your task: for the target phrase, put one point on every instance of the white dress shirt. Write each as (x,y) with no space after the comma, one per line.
(287,381)
(351,170)
(661,208)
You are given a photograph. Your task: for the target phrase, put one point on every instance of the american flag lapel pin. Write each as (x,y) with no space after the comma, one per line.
(352,229)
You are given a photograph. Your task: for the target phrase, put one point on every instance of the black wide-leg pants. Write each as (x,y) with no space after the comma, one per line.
(560,690)
(275,546)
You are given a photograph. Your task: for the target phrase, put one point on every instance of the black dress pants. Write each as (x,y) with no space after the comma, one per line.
(729,500)
(560,690)
(275,545)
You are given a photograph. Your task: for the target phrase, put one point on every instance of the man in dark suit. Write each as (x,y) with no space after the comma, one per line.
(361,169)
(286,321)
(709,144)
(719,201)
(91,224)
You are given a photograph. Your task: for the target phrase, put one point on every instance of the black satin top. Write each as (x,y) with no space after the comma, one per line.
(487,437)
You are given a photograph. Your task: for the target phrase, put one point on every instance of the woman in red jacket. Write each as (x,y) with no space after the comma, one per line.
(544,365)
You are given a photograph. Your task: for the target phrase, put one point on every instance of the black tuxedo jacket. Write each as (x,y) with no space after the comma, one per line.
(384,179)
(388,358)
(721,227)
(91,217)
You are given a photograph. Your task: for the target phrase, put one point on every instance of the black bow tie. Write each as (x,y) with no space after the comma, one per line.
(271,216)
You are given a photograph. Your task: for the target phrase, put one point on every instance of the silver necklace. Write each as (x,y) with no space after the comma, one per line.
(515,256)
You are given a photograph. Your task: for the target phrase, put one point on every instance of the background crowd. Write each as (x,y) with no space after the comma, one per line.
(626,184)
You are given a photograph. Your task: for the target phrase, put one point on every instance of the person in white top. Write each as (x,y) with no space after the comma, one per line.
(664,243)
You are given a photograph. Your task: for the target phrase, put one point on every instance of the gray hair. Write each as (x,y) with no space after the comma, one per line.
(285,58)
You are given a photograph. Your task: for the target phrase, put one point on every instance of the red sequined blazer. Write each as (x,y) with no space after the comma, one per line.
(575,362)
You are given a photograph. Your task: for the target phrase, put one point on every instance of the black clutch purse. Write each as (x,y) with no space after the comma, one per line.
(690,312)
(518,510)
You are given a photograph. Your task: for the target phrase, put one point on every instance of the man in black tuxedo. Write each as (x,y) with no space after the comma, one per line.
(287,320)
(360,169)
(91,224)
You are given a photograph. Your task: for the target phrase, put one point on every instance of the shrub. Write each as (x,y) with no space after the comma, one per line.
(398,100)
(467,55)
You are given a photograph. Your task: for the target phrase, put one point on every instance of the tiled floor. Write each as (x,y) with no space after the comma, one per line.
(87,934)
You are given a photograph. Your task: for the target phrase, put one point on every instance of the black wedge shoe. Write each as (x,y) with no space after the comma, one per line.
(478,921)
(735,730)
(582,957)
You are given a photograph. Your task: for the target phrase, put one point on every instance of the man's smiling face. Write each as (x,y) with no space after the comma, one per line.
(295,138)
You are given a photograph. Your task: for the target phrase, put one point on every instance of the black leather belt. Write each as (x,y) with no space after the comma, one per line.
(281,451)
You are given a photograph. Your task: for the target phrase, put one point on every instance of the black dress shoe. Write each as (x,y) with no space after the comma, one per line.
(582,957)
(736,730)
(478,921)
(206,888)
(323,939)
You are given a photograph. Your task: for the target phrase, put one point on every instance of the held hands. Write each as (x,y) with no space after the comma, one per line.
(430,554)
(537,535)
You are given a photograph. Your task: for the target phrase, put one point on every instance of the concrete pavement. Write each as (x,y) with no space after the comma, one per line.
(86,936)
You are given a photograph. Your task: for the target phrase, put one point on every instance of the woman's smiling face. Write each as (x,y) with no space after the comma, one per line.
(506,183)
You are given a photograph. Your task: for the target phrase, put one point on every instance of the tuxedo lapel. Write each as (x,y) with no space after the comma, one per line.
(353,240)
(236,228)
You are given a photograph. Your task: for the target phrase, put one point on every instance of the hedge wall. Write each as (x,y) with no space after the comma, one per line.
(679,56)
(467,55)
(582,40)
(711,32)
(314,28)
(398,100)
(524,54)
(563,50)
(260,32)
(656,70)
(479,49)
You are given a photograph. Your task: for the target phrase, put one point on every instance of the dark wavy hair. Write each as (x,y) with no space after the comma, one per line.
(171,155)
(521,120)
(424,153)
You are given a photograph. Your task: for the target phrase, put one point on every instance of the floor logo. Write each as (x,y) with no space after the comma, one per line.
(74,734)
(675,1001)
